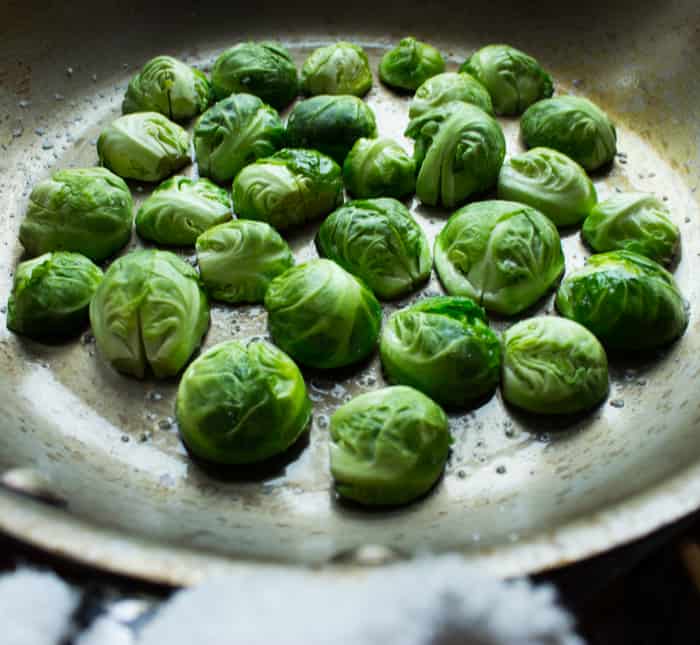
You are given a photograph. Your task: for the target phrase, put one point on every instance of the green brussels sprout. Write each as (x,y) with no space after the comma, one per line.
(86,210)
(145,146)
(627,300)
(574,126)
(51,295)
(445,88)
(263,69)
(410,64)
(549,181)
(553,366)
(330,124)
(234,133)
(168,86)
(180,209)
(504,255)
(459,151)
(388,447)
(633,222)
(514,79)
(149,310)
(341,68)
(241,404)
(378,241)
(379,168)
(322,316)
(239,259)
(443,347)
(288,189)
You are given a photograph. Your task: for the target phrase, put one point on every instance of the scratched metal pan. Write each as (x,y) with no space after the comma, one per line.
(90,461)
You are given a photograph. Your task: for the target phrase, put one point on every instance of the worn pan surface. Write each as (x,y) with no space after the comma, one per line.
(518,495)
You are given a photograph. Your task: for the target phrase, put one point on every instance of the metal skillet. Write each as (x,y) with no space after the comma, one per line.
(90,462)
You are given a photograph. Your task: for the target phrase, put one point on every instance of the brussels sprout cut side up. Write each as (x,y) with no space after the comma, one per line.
(445,88)
(388,447)
(241,404)
(322,316)
(553,366)
(410,64)
(378,241)
(443,347)
(86,210)
(51,295)
(149,311)
(341,68)
(627,300)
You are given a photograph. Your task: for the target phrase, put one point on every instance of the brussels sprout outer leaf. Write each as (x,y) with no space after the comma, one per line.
(445,88)
(410,64)
(379,168)
(340,68)
(388,447)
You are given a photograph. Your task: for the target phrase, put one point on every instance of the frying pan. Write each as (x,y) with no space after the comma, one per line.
(90,462)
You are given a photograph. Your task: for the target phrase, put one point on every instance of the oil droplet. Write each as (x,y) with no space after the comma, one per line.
(166,423)
(617,403)
(501,470)
(461,474)
(154,396)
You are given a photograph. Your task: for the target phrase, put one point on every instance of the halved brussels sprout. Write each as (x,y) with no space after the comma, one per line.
(445,88)
(180,209)
(145,146)
(241,404)
(459,151)
(341,68)
(504,255)
(549,181)
(263,69)
(514,79)
(627,300)
(633,222)
(330,124)
(289,188)
(410,63)
(379,168)
(168,86)
(51,295)
(388,447)
(149,310)
(574,126)
(86,210)
(553,366)
(322,316)
(443,347)
(234,133)
(239,259)
(378,241)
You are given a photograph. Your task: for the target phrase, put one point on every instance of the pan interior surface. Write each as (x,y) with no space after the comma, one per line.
(519,494)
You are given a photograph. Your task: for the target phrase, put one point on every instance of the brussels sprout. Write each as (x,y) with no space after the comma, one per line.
(87,210)
(549,181)
(289,188)
(322,316)
(627,300)
(330,124)
(502,254)
(633,222)
(574,126)
(444,348)
(514,79)
(144,146)
(553,366)
(388,447)
(51,295)
(378,241)
(445,88)
(234,133)
(240,404)
(237,260)
(379,168)
(263,69)
(409,64)
(149,310)
(180,209)
(459,151)
(168,86)
(341,68)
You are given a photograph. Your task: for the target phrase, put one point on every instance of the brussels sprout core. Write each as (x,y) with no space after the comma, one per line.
(341,68)
(379,168)
(409,64)
(445,88)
